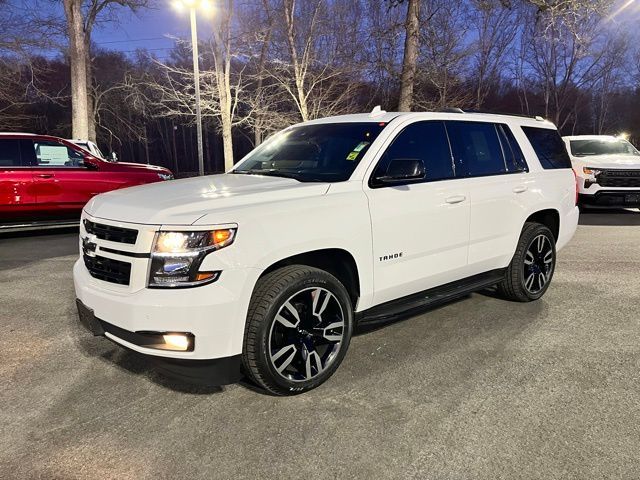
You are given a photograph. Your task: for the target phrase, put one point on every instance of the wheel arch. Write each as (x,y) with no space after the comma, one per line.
(550,218)
(338,262)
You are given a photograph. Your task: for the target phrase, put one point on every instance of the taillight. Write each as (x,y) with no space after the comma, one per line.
(575,177)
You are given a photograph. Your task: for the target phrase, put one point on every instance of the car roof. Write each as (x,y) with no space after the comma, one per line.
(380,116)
(25,134)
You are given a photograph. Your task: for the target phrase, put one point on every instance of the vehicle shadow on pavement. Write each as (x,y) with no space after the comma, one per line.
(610,218)
(135,364)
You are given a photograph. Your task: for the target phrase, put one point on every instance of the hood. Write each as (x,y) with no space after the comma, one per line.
(137,166)
(609,161)
(183,202)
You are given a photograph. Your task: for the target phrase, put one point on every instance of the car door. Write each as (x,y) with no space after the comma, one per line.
(17,198)
(488,157)
(64,182)
(420,230)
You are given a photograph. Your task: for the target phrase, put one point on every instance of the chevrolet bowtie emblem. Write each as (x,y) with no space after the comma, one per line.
(89,246)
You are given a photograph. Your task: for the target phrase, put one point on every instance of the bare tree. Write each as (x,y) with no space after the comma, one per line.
(561,49)
(317,75)
(496,28)
(221,48)
(81,16)
(410,56)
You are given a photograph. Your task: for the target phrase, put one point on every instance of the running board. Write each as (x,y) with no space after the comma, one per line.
(44,225)
(428,298)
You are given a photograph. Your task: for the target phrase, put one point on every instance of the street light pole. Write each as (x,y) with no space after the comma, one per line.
(196,80)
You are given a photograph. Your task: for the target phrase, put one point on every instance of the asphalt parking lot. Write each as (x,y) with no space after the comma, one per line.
(477,389)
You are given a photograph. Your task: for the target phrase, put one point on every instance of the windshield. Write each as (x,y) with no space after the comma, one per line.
(87,147)
(618,146)
(313,153)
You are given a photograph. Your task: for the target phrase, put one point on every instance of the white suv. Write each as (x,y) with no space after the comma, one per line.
(266,270)
(608,170)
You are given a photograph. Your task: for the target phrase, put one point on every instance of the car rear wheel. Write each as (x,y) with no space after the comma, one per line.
(298,329)
(532,267)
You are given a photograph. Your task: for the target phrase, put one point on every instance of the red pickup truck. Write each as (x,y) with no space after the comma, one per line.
(46,181)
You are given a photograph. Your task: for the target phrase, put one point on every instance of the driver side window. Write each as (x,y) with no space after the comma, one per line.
(53,154)
(425,141)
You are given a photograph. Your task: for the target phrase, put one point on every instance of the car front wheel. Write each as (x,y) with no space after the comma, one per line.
(298,329)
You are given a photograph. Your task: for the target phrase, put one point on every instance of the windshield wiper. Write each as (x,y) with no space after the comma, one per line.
(268,173)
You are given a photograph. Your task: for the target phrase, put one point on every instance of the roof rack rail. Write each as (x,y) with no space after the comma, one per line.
(522,115)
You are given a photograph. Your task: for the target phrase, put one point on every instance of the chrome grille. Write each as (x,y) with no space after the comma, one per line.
(107,269)
(111,233)
(619,178)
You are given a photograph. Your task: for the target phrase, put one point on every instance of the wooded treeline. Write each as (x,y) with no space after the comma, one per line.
(271,63)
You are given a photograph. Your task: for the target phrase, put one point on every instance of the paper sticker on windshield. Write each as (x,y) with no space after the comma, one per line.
(353,155)
(360,146)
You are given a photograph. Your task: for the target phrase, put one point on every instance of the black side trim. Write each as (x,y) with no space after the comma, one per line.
(428,298)
(209,373)
(123,253)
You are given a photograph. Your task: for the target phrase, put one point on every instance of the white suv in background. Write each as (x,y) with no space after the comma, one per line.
(266,270)
(608,170)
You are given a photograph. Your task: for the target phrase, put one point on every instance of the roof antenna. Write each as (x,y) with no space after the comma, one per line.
(377,112)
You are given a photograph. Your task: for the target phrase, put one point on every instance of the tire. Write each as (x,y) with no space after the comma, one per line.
(298,329)
(531,270)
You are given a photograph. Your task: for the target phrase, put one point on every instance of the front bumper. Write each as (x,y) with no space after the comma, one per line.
(215,314)
(612,198)
(215,372)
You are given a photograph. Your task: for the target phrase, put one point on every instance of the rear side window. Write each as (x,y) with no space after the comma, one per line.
(10,153)
(513,156)
(549,147)
(476,149)
(426,141)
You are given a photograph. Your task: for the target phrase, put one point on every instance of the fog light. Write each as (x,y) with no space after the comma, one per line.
(176,342)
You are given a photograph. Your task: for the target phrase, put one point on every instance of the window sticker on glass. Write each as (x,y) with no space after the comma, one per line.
(360,146)
(356,151)
(52,155)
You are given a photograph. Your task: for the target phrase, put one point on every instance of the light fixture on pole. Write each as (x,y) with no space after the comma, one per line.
(193,5)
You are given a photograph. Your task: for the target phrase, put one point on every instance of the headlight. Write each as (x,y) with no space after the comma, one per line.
(177,256)
(165,176)
(590,171)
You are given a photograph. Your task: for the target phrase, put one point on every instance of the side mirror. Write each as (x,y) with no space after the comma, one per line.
(91,163)
(113,157)
(402,170)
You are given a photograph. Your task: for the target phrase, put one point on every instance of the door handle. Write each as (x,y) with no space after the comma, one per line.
(45,175)
(520,189)
(455,199)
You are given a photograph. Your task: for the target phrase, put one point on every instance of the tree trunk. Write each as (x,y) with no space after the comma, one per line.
(298,72)
(410,60)
(222,65)
(258,128)
(78,61)
(91,105)
(227,143)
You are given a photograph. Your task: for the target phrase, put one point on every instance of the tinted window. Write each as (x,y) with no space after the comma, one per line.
(10,153)
(53,154)
(426,141)
(476,149)
(514,157)
(549,147)
(313,153)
